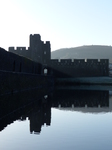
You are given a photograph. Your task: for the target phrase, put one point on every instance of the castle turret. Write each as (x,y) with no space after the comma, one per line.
(36,47)
(40,51)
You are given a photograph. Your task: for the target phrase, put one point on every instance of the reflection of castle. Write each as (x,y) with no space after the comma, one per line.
(41,53)
(39,111)
(80,98)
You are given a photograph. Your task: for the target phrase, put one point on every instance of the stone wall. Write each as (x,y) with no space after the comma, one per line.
(80,67)
(18,73)
(13,82)
(22,51)
(12,62)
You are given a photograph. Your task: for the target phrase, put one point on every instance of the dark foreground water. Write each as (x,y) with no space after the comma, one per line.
(65,119)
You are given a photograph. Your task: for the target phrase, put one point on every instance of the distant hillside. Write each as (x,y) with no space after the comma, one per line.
(84,52)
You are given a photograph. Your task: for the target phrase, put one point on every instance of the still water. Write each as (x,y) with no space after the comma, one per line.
(64,119)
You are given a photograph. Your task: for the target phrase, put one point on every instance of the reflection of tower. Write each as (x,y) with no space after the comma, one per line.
(35,122)
(39,117)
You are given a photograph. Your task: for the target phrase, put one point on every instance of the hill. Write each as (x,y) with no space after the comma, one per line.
(84,52)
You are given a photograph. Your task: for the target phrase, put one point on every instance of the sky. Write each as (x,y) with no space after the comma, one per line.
(65,23)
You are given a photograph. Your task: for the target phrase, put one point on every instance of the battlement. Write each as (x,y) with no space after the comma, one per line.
(35,36)
(80,67)
(79,61)
(11,49)
(22,51)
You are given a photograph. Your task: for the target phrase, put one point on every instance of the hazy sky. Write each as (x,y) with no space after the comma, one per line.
(65,23)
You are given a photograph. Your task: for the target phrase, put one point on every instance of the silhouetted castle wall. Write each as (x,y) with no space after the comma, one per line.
(40,52)
(19,73)
(80,67)
(16,63)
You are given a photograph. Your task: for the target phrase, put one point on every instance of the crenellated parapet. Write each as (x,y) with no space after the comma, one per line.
(80,67)
(79,62)
(22,51)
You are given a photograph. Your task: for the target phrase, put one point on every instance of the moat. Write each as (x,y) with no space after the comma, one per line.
(62,119)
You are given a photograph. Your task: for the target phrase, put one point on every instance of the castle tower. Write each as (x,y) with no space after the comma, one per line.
(36,47)
(40,51)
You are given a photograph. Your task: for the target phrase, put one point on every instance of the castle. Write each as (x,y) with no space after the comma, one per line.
(40,52)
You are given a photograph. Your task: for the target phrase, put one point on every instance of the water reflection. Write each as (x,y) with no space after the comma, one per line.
(39,116)
(37,107)
(80,98)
